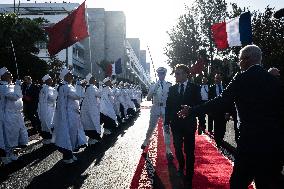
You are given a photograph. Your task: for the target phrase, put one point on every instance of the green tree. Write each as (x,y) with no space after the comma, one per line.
(24,33)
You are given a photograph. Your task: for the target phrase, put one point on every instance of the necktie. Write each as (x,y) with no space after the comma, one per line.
(220,89)
(162,85)
(181,89)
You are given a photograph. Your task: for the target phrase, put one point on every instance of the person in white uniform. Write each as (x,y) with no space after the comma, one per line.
(15,131)
(3,157)
(90,111)
(46,108)
(158,92)
(116,92)
(68,130)
(108,115)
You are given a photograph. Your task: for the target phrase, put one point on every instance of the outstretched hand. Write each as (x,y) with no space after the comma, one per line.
(184,112)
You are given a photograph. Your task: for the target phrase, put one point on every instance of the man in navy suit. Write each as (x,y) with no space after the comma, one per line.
(258,97)
(183,130)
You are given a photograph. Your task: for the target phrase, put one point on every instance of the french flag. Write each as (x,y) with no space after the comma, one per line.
(115,68)
(234,32)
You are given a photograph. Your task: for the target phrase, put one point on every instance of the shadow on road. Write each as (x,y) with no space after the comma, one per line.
(65,176)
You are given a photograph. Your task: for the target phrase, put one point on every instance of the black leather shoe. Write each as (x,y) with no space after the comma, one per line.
(170,156)
(180,173)
(143,147)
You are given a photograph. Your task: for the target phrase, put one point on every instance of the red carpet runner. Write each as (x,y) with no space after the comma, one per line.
(212,169)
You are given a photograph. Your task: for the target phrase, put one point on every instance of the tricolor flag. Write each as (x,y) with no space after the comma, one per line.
(68,31)
(234,32)
(115,68)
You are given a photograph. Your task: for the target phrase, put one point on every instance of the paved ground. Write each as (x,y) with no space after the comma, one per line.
(108,165)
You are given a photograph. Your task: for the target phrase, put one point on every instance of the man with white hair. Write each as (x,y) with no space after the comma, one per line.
(256,95)
(69,133)
(159,93)
(15,131)
(46,108)
(90,111)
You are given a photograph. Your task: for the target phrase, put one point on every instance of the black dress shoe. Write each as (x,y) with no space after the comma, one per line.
(143,147)
(170,156)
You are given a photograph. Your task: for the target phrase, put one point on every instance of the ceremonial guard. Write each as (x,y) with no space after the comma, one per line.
(46,108)
(3,157)
(69,133)
(108,116)
(122,106)
(15,131)
(130,110)
(116,93)
(90,111)
(159,93)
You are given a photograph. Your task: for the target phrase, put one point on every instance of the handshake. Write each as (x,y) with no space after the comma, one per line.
(184,112)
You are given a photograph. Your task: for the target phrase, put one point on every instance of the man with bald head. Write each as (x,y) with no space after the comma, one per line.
(256,94)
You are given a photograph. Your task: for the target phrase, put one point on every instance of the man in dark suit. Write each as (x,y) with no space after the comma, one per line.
(30,100)
(218,118)
(183,130)
(258,96)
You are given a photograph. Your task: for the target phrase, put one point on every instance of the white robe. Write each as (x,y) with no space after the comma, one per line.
(129,102)
(90,110)
(116,93)
(2,101)
(46,107)
(107,103)
(15,131)
(68,130)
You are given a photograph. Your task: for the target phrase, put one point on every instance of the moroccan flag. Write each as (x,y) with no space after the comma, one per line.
(68,31)
(234,32)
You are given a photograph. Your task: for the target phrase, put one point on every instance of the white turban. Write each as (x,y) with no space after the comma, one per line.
(88,77)
(46,77)
(3,71)
(106,79)
(63,72)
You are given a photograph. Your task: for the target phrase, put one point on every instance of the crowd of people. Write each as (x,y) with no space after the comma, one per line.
(70,115)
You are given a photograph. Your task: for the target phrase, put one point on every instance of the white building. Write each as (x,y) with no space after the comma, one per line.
(53,12)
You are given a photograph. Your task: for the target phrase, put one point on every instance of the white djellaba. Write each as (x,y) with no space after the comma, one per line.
(90,110)
(68,130)
(15,131)
(46,108)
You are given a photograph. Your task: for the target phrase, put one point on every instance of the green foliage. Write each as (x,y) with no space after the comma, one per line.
(25,34)
(192,34)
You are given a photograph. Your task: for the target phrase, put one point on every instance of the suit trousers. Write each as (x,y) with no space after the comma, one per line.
(184,141)
(219,128)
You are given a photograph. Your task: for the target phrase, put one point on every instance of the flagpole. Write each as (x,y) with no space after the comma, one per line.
(152,63)
(90,51)
(15,58)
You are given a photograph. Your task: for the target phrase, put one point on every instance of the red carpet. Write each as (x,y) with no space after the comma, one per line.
(212,169)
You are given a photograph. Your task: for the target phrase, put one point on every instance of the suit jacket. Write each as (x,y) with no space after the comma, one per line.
(191,97)
(258,96)
(30,95)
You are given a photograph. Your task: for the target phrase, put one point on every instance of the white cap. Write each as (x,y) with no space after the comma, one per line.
(46,77)
(106,79)
(126,84)
(121,83)
(88,77)
(63,72)
(113,81)
(161,70)
(3,71)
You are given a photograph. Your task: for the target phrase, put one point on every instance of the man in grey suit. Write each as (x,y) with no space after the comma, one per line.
(258,97)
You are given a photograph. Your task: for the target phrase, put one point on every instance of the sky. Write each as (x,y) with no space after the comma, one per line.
(149,20)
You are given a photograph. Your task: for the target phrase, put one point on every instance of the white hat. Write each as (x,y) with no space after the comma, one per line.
(121,83)
(46,77)
(113,81)
(161,70)
(106,79)
(88,77)
(3,71)
(63,72)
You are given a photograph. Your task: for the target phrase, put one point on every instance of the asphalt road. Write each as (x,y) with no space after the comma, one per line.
(109,165)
